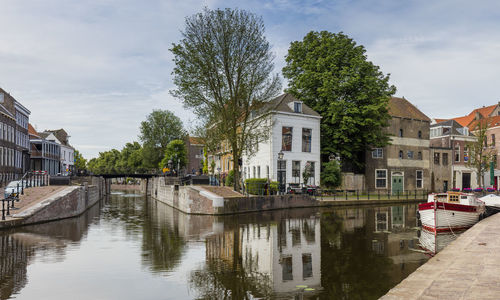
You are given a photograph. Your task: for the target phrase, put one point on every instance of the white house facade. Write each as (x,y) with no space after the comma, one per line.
(295,132)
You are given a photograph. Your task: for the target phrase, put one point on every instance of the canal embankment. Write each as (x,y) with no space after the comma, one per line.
(50,203)
(210,200)
(468,268)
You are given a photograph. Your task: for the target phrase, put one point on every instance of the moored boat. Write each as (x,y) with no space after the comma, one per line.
(491,203)
(449,212)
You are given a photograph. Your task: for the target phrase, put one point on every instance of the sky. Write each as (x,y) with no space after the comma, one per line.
(97,68)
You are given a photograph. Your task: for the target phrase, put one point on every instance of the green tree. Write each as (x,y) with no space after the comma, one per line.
(331,74)
(177,153)
(80,162)
(222,71)
(331,176)
(480,155)
(160,128)
(124,164)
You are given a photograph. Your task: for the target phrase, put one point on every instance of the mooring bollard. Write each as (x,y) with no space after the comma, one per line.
(3,209)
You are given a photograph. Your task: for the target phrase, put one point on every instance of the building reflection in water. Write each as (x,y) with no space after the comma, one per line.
(263,258)
(43,242)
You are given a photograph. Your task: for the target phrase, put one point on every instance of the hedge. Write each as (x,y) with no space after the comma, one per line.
(257,186)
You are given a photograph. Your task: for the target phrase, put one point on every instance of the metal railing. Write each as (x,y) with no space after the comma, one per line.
(325,194)
(29,179)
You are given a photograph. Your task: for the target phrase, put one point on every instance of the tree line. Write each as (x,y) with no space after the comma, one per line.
(162,138)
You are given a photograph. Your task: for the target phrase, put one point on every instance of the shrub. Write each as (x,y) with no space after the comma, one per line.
(273,188)
(256,186)
(230,178)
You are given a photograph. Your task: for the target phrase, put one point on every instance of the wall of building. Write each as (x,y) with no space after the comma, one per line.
(415,139)
(267,155)
(441,174)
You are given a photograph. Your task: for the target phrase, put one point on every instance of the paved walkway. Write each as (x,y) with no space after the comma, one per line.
(31,197)
(468,268)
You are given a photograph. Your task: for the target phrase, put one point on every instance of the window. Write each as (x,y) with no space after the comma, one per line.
(492,140)
(380,179)
(466,154)
(253,172)
(307,268)
(258,171)
(267,171)
(446,130)
(297,107)
(419,155)
(286,139)
(485,141)
(378,153)
(445,159)
(410,154)
(436,158)
(419,134)
(401,154)
(457,153)
(296,170)
(306,139)
(287,270)
(400,132)
(420,179)
(310,166)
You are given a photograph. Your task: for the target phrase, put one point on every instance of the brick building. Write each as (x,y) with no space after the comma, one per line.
(14,145)
(404,164)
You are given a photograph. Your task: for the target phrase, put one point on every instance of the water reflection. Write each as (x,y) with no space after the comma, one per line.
(142,248)
(435,242)
(45,243)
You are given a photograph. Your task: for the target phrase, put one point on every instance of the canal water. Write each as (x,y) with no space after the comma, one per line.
(130,247)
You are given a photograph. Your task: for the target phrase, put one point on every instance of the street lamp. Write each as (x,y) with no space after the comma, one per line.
(169,164)
(280,173)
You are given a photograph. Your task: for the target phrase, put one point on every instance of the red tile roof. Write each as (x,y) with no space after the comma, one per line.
(32,131)
(490,122)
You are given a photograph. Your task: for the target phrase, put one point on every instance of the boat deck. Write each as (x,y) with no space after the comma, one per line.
(468,268)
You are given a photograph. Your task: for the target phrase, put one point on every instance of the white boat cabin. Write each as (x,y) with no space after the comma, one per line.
(454,197)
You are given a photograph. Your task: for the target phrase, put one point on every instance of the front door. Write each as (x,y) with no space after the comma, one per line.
(281,180)
(465,180)
(397,183)
(445,186)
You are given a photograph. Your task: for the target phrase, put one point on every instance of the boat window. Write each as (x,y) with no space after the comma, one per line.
(453,198)
(463,197)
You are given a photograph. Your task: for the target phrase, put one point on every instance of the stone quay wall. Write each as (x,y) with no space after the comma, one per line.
(69,202)
(197,200)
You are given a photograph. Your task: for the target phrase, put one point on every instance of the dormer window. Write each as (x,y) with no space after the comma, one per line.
(297,107)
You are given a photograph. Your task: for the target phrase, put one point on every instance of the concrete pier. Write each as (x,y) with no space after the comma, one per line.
(468,268)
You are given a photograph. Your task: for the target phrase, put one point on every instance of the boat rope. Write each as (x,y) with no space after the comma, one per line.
(449,225)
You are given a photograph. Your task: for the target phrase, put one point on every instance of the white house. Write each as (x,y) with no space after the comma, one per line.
(295,132)
(67,155)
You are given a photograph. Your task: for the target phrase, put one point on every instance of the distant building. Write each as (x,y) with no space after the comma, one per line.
(67,155)
(195,154)
(14,148)
(404,164)
(45,153)
(449,155)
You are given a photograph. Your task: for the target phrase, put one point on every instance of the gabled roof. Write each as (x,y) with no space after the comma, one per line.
(450,123)
(491,121)
(483,112)
(196,141)
(61,135)
(32,132)
(280,104)
(400,107)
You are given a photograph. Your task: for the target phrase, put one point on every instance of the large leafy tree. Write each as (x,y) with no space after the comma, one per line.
(160,127)
(331,74)
(223,66)
(176,152)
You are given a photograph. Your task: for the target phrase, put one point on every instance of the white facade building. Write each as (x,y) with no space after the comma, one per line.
(296,132)
(67,156)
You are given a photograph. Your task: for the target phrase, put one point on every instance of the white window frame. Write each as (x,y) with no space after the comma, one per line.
(385,187)
(375,153)
(421,179)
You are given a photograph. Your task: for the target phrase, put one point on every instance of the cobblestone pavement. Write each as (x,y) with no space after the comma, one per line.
(468,268)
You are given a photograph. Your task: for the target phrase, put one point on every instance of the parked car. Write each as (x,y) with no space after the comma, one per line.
(294,188)
(12,188)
